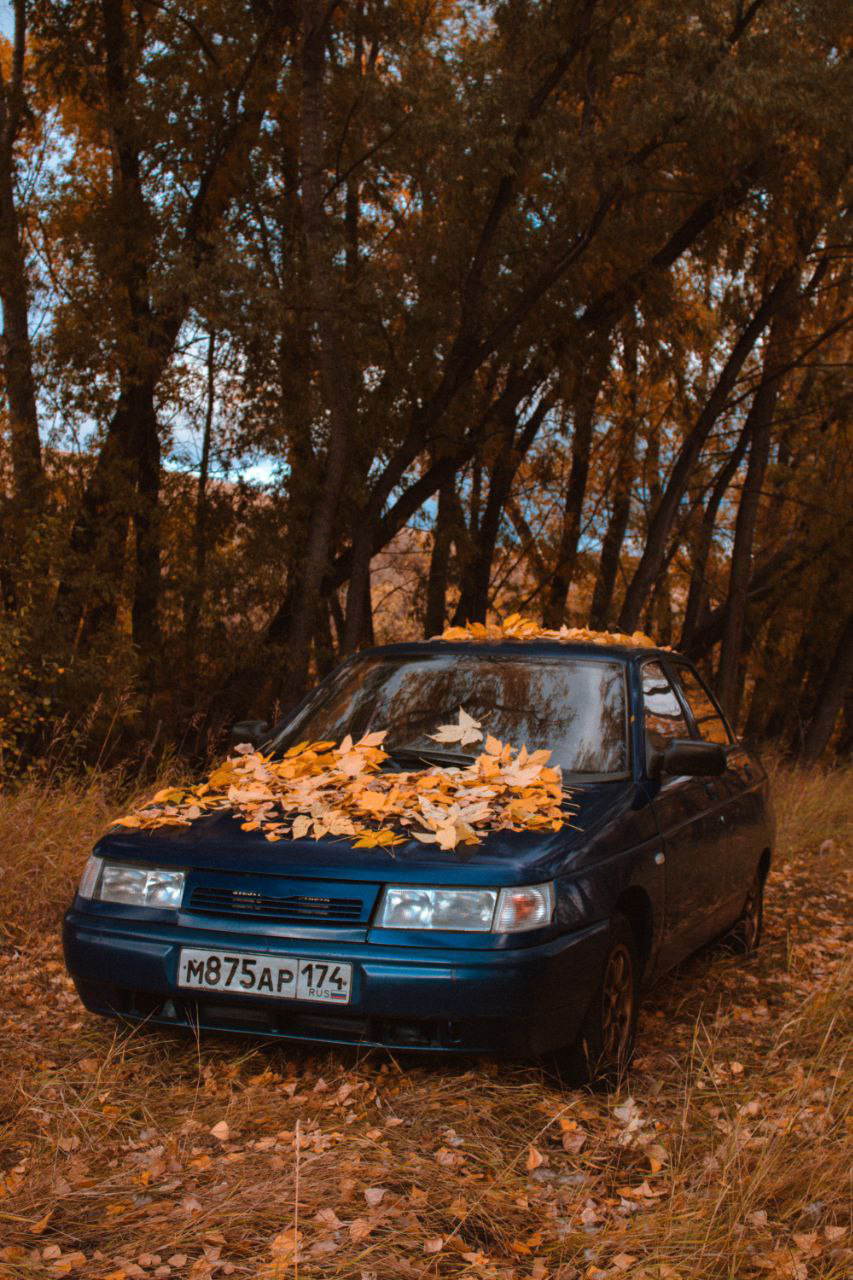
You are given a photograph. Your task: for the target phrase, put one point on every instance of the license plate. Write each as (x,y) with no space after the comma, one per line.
(283,977)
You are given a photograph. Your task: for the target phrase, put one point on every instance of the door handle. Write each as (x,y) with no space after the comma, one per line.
(660,859)
(711,790)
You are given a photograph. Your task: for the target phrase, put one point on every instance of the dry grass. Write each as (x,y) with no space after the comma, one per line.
(723,1155)
(47,827)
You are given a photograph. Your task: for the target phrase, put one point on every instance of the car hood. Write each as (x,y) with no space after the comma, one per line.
(217,842)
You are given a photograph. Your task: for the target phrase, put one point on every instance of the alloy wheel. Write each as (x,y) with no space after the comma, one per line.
(617,1004)
(751,924)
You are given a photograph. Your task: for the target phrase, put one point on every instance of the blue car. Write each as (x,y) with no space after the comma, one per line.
(527,943)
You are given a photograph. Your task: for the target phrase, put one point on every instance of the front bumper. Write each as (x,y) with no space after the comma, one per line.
(522,1001)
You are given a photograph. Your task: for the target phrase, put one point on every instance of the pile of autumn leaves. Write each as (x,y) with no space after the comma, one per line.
(339,789)
(516,627)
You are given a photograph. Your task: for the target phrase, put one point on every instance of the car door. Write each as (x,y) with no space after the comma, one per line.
(687,812)
(738,788)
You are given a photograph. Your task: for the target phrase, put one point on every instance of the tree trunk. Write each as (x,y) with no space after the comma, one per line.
(614,534)
(697,592)
(844,745)
(764,688)
(145,609)
(125,481)
(759,426)
(557,592)
(659,614)
(25,448)
(367,633)
(655,549)
(23,505)
(529,545)
(88,594)
(831,696)
(442,537)
(195,595)
(474,597)
(335,384)
(768,577)
(324,644)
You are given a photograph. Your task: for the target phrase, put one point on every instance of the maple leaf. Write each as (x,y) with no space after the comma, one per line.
(466,731)
(301,826)
(374,801)
(352,763)
(285,1244)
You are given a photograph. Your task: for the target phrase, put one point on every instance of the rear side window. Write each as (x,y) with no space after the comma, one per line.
(663,718)
(709,722)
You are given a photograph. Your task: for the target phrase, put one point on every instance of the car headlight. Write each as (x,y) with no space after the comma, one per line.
(89,878)
(134,886)
(466,910)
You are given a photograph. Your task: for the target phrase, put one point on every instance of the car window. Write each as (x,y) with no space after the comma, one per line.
(709,722)
(663,718)
(573,707)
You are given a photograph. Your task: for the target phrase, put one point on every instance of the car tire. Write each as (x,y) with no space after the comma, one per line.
(602,1052)
(745,934)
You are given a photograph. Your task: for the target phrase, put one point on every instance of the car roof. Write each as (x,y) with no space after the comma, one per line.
(519,649)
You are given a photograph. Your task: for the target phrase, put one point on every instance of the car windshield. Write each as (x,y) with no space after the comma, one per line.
(573,707)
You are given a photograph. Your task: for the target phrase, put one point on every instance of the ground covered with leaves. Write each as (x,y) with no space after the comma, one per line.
(142,1153)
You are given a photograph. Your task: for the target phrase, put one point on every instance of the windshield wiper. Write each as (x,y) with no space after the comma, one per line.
(429,755)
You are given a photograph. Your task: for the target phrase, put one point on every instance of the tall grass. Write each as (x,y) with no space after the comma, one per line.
(48,825)
(812,805)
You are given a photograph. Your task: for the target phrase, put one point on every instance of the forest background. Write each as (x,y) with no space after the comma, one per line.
(330,322)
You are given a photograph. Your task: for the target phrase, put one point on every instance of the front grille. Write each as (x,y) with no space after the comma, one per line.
(294,909)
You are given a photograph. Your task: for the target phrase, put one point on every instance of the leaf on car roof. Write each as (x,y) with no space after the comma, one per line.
(515,627)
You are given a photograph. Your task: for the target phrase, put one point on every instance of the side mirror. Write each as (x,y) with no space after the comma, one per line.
(688,757)
(252,731)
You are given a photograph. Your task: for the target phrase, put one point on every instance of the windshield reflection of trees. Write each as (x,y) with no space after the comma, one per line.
(573,708)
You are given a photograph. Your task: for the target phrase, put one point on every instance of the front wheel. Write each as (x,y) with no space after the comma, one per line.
(605,1045)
